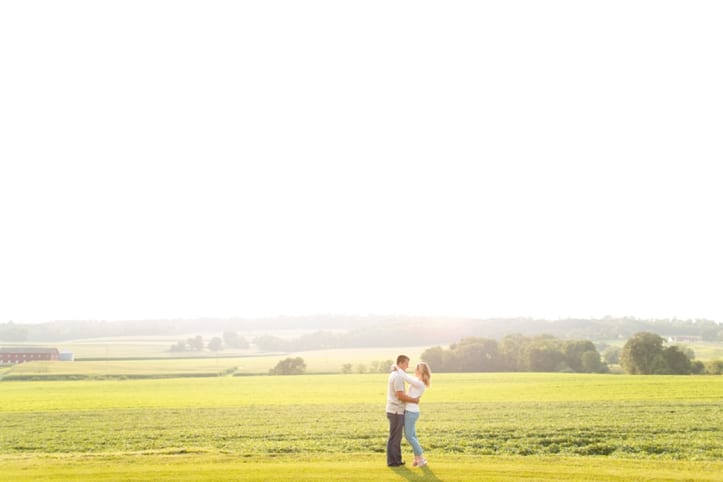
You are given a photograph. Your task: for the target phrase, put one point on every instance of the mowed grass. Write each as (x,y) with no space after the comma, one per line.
(320,427)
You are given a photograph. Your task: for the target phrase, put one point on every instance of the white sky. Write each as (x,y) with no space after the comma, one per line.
(165,159)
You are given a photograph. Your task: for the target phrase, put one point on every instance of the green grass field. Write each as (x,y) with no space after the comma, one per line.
(519,426)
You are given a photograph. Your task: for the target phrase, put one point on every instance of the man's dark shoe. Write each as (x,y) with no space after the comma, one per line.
(397,465)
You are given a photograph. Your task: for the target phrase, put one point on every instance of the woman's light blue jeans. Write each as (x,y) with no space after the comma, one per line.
(410,431)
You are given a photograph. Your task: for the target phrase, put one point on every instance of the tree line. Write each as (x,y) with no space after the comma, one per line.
(645,353)
(229,339)
(516,353)
(339,331)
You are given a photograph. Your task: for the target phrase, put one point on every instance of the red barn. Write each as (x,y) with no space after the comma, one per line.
(25,354)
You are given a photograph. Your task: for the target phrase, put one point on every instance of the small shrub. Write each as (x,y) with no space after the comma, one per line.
(289,366)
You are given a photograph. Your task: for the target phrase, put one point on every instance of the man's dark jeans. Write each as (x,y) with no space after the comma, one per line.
(394,444)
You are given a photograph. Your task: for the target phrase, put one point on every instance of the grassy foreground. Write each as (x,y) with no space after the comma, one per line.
(209,466)
(522,426)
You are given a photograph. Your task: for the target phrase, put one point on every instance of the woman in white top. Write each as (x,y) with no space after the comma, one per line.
(411,410)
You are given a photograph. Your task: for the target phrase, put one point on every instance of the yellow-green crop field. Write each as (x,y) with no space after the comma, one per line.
(521,426)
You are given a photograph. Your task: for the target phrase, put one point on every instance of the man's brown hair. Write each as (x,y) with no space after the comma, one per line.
(402,359)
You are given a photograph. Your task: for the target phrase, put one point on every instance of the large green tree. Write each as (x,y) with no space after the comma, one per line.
(475,355)
(590,362)
(677,360)
(574,351)
(511,349)
(645,354)
(543,356)
(435,356)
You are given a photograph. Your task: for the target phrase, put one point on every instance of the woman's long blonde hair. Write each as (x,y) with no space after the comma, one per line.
(425,373)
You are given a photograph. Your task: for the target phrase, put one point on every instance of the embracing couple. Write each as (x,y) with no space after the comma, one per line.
(403,410)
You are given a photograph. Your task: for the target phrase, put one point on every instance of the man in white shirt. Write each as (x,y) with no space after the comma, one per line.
(396,398)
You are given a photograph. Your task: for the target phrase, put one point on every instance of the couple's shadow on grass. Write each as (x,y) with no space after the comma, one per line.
(425,473)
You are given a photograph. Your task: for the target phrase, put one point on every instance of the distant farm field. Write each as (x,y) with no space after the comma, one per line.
(312,427)
(320,361)
(46,370)
(160,347)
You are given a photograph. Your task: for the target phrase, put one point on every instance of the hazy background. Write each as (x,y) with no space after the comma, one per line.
(181,159)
